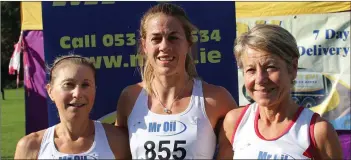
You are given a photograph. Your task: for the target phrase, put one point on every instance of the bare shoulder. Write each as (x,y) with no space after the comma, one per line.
(118,140)
(212,88)
(322,124)
(217,92)
(327,139)
(133,89)
(226,135)
(31,141)
(131,92)
(230,121)
(323,129)
(218,97)
(126,102)
(233,115)
(29,145)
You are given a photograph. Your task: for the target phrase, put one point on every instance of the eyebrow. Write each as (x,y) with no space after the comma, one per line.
(265,62)
(249,66)
(171,33)
(68,79)
(72,79)
(270,60)
(88,80)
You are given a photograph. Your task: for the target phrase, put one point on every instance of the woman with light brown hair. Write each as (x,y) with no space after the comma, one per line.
(274,126)
(171,114)
(72,88)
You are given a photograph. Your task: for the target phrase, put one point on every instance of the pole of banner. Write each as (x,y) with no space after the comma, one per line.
(19,48)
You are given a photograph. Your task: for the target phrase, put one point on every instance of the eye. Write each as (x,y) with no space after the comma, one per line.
(156,39)
(250,70)
(68,85)
(271,68)
(172,38)
(85,85)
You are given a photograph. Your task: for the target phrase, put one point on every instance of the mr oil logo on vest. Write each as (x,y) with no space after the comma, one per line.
(167,128)
(267,155)
(77,157)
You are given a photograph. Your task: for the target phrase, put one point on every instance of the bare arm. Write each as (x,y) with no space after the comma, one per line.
(327,140)
(225,148)
(218,103)
(225,102)
(28,146)
(126,103)
(119,141)
(121,119)
(226,134)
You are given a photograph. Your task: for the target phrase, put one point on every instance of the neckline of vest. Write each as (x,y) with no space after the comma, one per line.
(286,130)
(195,91)
(91,148)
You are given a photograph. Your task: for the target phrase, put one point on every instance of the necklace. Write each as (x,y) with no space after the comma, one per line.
(165,109)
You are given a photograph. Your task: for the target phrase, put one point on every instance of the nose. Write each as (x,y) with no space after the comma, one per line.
(77,92)
(261,77)
(165,45)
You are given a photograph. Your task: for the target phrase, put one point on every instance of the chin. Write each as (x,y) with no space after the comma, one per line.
(266,104)
(78,111)
(76,116)
(167,72)
(265,101)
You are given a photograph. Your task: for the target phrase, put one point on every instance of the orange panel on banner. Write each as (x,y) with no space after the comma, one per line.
(31,16)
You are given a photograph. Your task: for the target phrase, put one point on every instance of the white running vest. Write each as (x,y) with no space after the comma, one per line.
(100,148)
(293,144)
(187,135)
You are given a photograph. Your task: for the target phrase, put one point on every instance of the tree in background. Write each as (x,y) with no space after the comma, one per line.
(10,32)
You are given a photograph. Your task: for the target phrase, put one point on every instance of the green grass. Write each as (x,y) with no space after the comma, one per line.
(12,121)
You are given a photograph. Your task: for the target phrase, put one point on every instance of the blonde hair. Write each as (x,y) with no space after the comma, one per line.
(268,38)
(72,58)
(147,72)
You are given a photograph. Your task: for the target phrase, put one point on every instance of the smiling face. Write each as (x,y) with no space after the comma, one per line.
(165,44)
(266,76)
(73,90)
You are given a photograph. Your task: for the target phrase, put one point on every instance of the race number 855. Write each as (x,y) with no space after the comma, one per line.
(162,147)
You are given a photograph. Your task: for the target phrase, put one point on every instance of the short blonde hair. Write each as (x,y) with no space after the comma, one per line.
(269,38)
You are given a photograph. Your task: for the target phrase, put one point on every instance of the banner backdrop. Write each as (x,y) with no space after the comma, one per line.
(323,80)
(106,32)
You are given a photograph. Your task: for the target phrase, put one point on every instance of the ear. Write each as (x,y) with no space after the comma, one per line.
(49,90)
(295,64)
(143,45)
(191,45)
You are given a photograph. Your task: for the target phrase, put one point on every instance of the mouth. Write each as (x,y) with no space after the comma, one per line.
(265,90)
(76,105)
(165,59)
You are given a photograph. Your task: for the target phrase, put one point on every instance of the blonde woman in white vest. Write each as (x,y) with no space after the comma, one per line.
(274,126)
(72,88)
(171,114)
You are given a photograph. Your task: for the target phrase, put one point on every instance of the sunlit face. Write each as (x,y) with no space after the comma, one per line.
(266,76)
(165,44)
(73,90)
